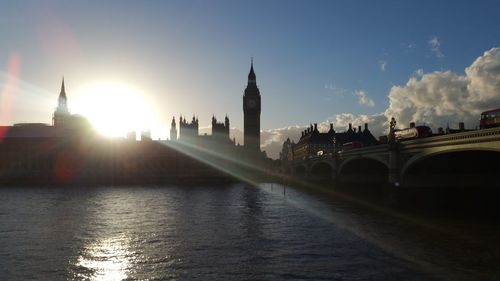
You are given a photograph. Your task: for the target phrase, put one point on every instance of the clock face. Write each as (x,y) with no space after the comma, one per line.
(251,103)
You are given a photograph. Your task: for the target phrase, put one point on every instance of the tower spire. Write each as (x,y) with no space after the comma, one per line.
(173,129)
(251,75)
(61,113)
(63,100)
(63,90)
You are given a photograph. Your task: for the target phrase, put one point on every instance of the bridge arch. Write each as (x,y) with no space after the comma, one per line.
(374,158)
(364,170)
(322,170)
(287,170)
(457,166)
(300,170)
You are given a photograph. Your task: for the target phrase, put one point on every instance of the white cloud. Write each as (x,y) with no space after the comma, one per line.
(376,122)
(382,64)
(408,45)
(443,96)
(435,46)
(272,140)
(363,98)
(435,99)
(419,72)
(335,89)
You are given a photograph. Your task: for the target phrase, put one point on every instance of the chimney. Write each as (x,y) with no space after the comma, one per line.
(354,130)
(302,133)
(359,129)
(315,126)
(366,126)
(350,127)
(412,124)
(331,126)
(461,126)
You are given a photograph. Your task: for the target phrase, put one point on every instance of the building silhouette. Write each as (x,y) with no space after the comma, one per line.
(64,124)
(313,143)
(220,139)
(286,153)
(220,131)
(61,114)
(251,112)
(188,131)
(68,150)
(173,130)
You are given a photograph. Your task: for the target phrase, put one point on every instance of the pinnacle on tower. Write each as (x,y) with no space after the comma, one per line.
(251,75)
(62,101)
(63,90)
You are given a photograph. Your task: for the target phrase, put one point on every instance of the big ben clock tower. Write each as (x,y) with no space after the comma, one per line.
(251,111)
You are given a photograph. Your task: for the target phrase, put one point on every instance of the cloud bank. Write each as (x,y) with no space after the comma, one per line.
(443,96)
(434,99)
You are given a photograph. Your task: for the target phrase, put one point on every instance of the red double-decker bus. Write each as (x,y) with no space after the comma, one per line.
(490,119)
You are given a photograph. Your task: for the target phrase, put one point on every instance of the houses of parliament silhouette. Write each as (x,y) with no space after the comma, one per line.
(220,131)
(68,151)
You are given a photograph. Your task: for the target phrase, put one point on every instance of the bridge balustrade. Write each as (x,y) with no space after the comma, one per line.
(401,156)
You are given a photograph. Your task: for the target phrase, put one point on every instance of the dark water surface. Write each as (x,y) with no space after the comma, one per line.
(230,232)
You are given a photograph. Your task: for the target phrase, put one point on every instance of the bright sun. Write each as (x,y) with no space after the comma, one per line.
(114,109)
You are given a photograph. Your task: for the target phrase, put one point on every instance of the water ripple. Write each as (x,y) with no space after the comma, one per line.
(232,232)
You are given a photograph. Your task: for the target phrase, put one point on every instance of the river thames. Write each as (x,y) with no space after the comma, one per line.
(231,232)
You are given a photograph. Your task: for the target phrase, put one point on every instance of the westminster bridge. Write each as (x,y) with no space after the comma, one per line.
(462,159)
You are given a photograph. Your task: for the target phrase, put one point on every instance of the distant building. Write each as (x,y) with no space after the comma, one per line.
(64,124)
(188,131)
(173,130)
(286,153)
(63,153)
(145,135)
(61,115)
(220,131)
(314,143)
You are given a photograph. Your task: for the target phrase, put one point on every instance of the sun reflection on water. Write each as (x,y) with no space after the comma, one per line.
(106,259)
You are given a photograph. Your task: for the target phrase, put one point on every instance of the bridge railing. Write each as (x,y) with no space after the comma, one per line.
(374,149)
(457,138)
(484,135)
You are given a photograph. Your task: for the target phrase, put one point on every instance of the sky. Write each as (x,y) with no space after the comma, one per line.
(142,62)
